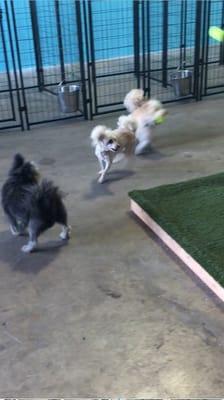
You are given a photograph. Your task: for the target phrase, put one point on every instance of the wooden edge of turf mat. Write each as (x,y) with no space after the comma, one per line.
(207,279)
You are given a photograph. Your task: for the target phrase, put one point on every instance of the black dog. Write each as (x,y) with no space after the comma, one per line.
(31,204)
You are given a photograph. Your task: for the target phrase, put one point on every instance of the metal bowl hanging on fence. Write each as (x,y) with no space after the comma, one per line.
(68,97)
(181,80)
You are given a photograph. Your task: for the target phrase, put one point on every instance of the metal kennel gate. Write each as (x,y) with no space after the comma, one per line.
(41,46)
(105,47)
(212,54)
(11,105)
(183,30)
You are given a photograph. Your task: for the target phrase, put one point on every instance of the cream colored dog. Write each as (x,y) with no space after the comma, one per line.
(111,146)
(142,117)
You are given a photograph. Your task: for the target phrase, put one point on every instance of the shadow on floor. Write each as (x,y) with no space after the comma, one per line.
(11,254)
(103,189)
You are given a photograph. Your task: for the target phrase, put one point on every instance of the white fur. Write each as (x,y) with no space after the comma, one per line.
(142,117)
(111,146)
(32,244)
(134,99)
(13,230)
(96,133)
(127,122)
(29,247)
(65,233)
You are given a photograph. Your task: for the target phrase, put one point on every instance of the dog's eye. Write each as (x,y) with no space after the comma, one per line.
(110,141)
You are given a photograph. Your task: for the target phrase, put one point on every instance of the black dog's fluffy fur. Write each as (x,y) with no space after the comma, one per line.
(31,204)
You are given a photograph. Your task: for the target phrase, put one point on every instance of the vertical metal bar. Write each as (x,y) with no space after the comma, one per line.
(183,27)
(197,49)
(81,56)
(7,67)
(60,42)
(24,108)
(222,44)
(136,4)
(204,33)
(14,64)
(165,43)
(37,46)
(92,55)
(143,43)
(181,31)
(148,27)
(206,50)
(87,59)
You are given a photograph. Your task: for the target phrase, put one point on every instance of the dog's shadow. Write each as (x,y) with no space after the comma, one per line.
(32,263)
(103,189)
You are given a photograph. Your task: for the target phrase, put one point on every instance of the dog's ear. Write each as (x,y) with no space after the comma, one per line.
(17,162)
(101,137)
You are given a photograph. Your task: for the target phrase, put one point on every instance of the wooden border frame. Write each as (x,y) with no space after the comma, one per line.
(207,279)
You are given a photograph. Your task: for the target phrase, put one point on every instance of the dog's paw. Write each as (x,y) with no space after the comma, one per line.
(65,233)
(14,231)
(18,231)
(29,247)
(101,179)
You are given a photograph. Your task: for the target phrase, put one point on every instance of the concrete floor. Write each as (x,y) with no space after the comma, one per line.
(113,313)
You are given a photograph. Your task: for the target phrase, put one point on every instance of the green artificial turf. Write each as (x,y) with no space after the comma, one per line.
(192,213)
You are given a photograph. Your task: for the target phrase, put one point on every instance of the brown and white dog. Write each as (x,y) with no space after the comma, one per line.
(111,146)
(142,117)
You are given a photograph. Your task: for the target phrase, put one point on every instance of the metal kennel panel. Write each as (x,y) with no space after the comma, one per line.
(138,44)
(170,38)
(11,100)
(213,57)
(111,40)
(47,45)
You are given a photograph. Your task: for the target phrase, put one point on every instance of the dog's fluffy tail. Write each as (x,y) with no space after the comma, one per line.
(46,195)
(47,204)
(97,134)
(127,122)
(48,188)
(134,99)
